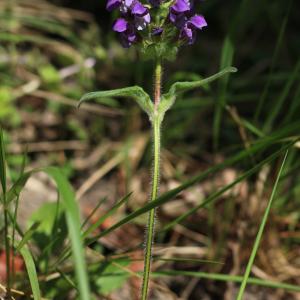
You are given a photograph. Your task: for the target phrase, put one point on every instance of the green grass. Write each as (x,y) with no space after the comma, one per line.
(71,211)
(31,271)
(260,232)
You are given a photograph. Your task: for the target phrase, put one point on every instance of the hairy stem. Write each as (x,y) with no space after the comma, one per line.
(156,122)
(157,83)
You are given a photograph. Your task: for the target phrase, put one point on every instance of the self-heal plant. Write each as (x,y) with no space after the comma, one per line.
(158,28)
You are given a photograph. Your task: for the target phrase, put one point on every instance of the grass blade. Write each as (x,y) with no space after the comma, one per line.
(73,220)
(27,236)
(260,232)
(229,278)
(282,97)
(89,217)
(171,194)
(66,253)
(105,216)
(226,61)
(218,193)
(273,63)
(31,270)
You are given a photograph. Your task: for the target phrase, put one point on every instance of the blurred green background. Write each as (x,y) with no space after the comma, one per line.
(51,53)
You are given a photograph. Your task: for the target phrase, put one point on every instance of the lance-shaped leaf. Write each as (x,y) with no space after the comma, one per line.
(134,92)
(178,88)
(32,274)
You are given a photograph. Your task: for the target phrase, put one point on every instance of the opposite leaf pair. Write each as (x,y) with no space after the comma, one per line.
(167,100)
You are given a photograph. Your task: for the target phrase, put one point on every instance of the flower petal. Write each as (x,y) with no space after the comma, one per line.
(112,4)
(138,9)
(180,6)
(120,25)
(198,21)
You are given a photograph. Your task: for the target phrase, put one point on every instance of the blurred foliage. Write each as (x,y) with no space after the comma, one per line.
(51,53)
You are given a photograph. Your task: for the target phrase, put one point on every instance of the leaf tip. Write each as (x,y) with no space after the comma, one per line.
(232,70)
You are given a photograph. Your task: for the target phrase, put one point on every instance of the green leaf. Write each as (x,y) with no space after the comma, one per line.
(226,61)
(134,92)
(31,270)
(46,215)
(66,253)
(228,278)
(177,88)
(260,233)
(73,220)
(52,232)
(107,282)
(89,217)
(27,236)
(111,212)
(17,187)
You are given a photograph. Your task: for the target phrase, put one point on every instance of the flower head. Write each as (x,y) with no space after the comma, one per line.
(150,24)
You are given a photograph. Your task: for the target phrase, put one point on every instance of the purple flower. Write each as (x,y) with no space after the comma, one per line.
(198,21)
(179,12)
(135,16)
(127,32)
(120,25)
(141,15)
(188,31)
(180,6)
(138,9)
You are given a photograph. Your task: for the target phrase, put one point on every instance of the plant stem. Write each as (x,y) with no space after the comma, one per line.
(157,83)
(156,122)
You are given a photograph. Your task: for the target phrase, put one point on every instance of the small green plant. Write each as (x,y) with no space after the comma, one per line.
(158,29)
